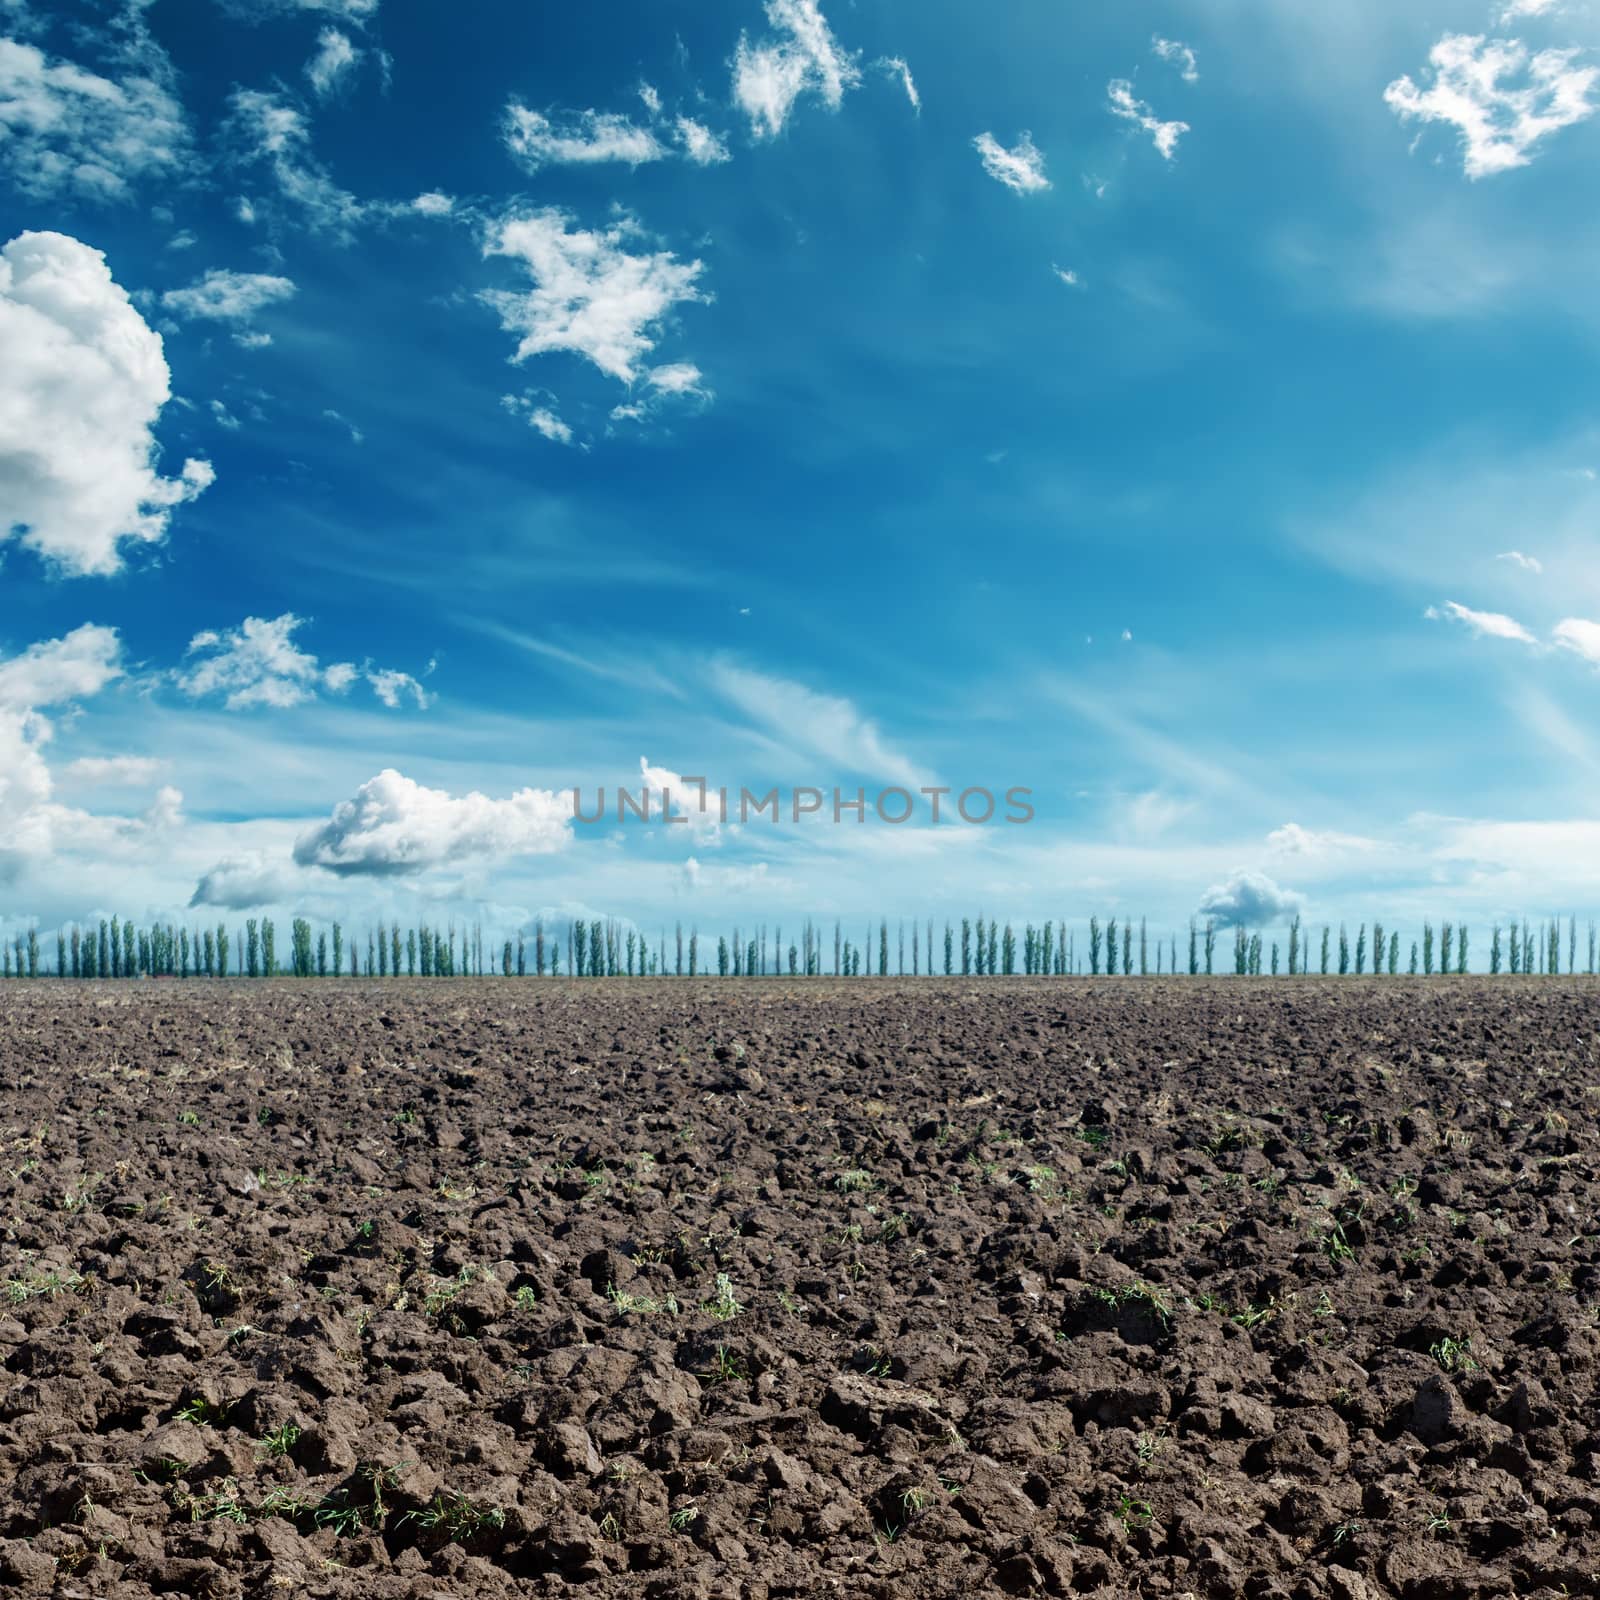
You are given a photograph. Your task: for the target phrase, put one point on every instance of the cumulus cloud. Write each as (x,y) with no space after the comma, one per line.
(394,825)
(823,725)
(67,130)
(242,882)
(1020,168)
(1249,900)
(896,68)
(591,294)
(433,204)
(259,664)
(1126,105)
(51,673)
(85,379)
(1517,558)
(264,130)
(1485,624)
(696,801)
(805,58)
(583,139)
(1178,55)
(1500,98)
(58,670)
(335,59)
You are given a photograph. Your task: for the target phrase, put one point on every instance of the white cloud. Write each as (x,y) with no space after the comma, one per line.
(433,204)
(394,688)
(259,664)
(241,882)
(697,802)
(1526,8)
(55,672)
(896,68)
(1499,123)
(85,380)
(586,138)
(1527,563)
(1249,900)
(394,825)
(64,129)
(1067,275)
(265,130)
(71,668)
(769,77)
(676,377)
(1125,105)
(223,296)
(538,417)
(336,57)
(591,295)
(1021,168)
(1178,55)
(1583,638)
(113,772)
(1293,840)
(822,725)
(700,144)
(1485,624)
(356,435)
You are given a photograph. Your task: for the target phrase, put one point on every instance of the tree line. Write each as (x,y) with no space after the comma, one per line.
(608,947)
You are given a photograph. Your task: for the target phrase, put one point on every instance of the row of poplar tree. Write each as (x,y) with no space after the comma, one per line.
(609,948)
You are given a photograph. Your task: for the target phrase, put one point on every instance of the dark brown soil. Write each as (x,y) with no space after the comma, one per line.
(1118,1288)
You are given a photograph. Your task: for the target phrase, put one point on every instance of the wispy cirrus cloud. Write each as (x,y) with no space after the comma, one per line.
(804,58)
(1178,55)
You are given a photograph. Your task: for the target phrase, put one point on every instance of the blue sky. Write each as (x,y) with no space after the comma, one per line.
(1182,410)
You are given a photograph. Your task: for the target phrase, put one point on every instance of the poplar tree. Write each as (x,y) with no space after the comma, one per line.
(1447,940)
(1378,949)
(1144,963)
(949,949)
(1111,947)
(1461,949)
(252,948)
(1210,944)
(1294,943)
(966,948)
(1094,946)
(1361,950)
(1344,951)
(1394,954)
(1194,953)
(1494,951)
(1427,949)
(1324,949)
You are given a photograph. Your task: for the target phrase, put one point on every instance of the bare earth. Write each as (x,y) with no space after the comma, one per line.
(681,1289)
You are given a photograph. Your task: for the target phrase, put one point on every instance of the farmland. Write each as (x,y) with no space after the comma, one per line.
(679,1288)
